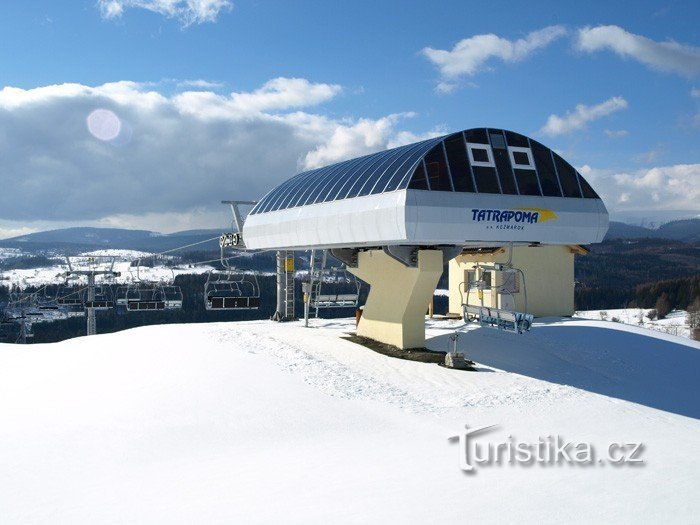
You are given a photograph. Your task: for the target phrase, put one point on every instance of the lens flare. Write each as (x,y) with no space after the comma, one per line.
(103,124)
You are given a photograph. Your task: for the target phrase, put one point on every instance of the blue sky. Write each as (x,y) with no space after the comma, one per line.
(614,87)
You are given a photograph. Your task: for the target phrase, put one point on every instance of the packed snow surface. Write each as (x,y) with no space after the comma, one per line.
(261,422)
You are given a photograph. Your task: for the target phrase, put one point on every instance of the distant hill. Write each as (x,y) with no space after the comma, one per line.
(687,230)
(70,240)
(81,239)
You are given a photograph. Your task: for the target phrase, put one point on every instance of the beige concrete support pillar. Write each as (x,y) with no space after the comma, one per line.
(398,296)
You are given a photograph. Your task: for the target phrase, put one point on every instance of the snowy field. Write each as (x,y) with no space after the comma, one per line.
(257,422)
(123,259)
(675,323)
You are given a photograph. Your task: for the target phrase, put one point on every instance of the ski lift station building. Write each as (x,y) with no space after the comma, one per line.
(397,216)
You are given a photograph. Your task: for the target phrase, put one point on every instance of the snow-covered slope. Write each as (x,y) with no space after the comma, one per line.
(675,323)
(260,422)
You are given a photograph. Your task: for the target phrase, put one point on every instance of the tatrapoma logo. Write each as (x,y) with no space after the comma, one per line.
(517,215)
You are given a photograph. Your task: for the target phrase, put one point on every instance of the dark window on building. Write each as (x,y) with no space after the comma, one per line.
(459,165)
(521,158)
(567,177)
(486,181)
(480,155)
(516,139)
(545,169)
(588,191)
(437,170)
(527,182)
(418,181)
(477,136)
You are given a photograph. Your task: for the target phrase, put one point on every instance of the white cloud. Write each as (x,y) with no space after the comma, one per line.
(6,233)
(199,84)
(659,188)
(616,133)
(471,55)
(583,114)
(695,93)
(285,93)
(172,155)
(188,12)
(668,56)
(361,138)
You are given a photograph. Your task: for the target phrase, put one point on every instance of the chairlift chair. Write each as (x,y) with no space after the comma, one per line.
(69,296)
(172,296)
(46,303)
(147,296)
(500,317)
(104,298)
(144,297)
(231,290)
(337,288)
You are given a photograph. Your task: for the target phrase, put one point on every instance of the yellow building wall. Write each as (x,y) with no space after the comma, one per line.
(549,276)
(398,296)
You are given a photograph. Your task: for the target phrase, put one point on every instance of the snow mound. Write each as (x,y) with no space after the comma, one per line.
(259,422)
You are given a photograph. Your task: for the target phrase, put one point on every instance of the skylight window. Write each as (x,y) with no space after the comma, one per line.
(521,158)
(480,155)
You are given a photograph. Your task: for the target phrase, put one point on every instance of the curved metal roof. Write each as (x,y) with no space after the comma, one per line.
(479,160)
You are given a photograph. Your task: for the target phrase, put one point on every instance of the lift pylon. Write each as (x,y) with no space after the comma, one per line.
(97,265)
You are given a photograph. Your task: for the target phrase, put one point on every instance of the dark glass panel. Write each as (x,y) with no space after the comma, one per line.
(527,182)
(505,174)
(545,169)
(437,170)
(516,139)
(567,177)
(521,158)
(588,191)
(497,140)
(459,164)
(480,155)
(477,136)
(418,181)
(486,181)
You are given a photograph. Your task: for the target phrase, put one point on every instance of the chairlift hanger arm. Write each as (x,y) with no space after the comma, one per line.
(238,219)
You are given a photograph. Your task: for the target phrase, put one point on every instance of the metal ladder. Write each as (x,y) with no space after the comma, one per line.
(285,286)
(289,285)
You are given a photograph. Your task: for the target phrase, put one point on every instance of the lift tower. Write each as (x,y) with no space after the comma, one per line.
(92,305)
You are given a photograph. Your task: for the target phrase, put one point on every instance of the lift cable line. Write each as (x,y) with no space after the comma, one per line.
(179,248)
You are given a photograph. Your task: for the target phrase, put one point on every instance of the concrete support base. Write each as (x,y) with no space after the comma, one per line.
(398,298)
